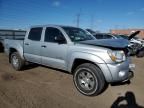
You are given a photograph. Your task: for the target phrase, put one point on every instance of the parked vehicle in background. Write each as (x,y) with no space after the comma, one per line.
(103,35)
(106,36)
(10,34)
(122,36)
(136,45)
(93,63)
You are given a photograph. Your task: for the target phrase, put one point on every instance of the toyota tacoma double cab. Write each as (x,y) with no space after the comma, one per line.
(93,63)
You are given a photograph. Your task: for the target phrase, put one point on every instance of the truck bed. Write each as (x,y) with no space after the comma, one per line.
(17,44)
(12,35)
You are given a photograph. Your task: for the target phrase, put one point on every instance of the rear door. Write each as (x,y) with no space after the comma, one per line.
(32,45)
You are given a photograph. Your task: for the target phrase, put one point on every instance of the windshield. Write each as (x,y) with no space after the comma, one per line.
(91,31)
(77,34)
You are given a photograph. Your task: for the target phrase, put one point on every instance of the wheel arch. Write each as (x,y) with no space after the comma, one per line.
(12,50)
(80,58)
(79,61)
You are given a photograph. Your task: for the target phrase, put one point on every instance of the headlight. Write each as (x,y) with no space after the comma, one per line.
(117,56)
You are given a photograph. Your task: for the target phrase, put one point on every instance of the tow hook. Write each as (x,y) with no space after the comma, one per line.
(131,74)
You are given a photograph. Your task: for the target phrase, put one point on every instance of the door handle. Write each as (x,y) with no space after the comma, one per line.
(43,46)
(26,43)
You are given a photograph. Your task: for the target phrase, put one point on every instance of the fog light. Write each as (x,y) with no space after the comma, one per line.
(121,73)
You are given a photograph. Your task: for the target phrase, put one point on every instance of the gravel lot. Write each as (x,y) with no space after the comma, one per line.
(41,87)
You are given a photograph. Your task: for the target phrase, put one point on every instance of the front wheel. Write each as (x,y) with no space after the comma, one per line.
(16,61)
(89,79)
(140,53)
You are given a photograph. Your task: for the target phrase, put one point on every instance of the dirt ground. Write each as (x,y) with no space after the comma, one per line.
(41,87)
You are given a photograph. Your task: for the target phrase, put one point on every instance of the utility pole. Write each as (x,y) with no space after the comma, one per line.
(78,19)
(92,22)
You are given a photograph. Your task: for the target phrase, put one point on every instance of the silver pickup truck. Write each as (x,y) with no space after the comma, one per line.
(93,63)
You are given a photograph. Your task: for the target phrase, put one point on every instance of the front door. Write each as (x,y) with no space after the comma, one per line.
(54,54)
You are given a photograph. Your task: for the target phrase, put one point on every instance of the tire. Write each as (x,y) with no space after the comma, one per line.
(140,53)
(1,47)
(16,61)
(89,79)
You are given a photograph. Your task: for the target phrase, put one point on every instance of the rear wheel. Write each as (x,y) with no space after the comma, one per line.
(89,79)
(16,61)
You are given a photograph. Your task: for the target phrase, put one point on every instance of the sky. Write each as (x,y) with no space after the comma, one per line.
(99,15)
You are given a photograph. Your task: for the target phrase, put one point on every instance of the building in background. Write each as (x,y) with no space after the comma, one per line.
(127,32)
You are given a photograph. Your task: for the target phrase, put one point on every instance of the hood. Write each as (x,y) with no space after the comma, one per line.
(108,43)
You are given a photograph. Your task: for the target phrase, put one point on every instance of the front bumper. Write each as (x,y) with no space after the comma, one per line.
(6,51)
(122,71)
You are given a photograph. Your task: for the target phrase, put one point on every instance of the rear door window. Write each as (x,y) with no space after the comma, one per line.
(35,34)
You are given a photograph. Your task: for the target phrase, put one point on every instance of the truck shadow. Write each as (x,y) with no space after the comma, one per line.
(1,50)
(32,66)
(130,100)
(121,83)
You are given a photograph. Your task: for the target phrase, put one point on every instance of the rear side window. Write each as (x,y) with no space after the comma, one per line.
(35,34)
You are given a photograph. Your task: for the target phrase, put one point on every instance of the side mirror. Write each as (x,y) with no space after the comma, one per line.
(60,39)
